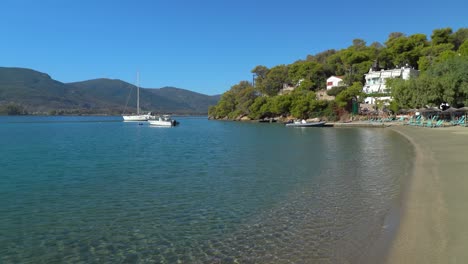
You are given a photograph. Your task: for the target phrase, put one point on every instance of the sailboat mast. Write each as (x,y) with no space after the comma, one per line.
(138,93)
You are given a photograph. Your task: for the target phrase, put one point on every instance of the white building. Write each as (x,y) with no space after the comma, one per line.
(375,81)
(334,81)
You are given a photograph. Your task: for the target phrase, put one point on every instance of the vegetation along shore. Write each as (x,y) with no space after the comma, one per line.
(406,72)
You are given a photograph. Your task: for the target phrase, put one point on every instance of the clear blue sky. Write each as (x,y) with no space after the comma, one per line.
(204,45)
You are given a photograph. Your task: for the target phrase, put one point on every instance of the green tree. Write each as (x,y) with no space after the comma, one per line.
(244,99)
(276,77)
(394,35)
(394,106)
(463,50)
(301,104)
(459,37)
(385,59)
(260,71)
(321,57)
(255,108)
(445,81)
(359,44)
(267,108)
(451,78)
(430,54)
(306,85)
(234,102)
(401,92)
(281,105)
(345,98)
(376,45)
(334,91)
(334,65)
(407,50)
(226,105)
(442,36)
(357,59)
(13,109)
(307,74)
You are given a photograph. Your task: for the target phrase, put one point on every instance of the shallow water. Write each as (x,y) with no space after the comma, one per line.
(93,190)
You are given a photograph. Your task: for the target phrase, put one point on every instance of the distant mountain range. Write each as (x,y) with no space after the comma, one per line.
(38,92)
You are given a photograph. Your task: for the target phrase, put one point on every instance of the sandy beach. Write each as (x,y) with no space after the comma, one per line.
(434,218)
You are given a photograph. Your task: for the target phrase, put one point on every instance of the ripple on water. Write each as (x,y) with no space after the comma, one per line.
(204,192)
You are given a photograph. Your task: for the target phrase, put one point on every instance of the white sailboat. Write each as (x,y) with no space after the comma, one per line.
(138,116)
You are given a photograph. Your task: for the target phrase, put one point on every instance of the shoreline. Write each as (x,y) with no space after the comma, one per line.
(433,214)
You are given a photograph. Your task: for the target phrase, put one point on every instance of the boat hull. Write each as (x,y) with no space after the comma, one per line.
(312,124)
(135,118)
(161,123)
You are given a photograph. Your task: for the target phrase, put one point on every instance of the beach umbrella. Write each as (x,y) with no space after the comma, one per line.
(424,111)
(429,111)
(462,109)
(451,110)
(421,110)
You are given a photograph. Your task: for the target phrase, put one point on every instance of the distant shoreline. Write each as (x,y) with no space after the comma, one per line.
(433,213)
(201,115)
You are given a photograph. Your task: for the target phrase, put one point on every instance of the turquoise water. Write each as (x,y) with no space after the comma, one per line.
(95,190)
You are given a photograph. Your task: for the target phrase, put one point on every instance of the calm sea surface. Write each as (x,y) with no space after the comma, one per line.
(95,190)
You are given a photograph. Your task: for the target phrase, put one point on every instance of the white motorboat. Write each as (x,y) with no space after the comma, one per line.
(164,121)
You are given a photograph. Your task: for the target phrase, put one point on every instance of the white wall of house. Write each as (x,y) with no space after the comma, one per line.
(334,81)
(375,80)
(372,100)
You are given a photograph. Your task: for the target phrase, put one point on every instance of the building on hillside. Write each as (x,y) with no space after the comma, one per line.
(334,81)
(375,81)
(287,87)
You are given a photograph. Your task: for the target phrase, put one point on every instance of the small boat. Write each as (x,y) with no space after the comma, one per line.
(267,120)
(303,123)
(164,121)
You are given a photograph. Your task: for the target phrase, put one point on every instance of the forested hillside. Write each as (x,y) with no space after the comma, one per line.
(36,91)
(441,59)
(27,91)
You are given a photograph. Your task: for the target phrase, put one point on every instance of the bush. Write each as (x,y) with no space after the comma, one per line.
(334,91)
(13,109)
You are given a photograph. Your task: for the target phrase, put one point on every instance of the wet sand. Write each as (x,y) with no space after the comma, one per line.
(434,218)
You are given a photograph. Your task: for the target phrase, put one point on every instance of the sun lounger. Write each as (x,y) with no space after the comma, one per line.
(460,121)
(431,122)
(439,123)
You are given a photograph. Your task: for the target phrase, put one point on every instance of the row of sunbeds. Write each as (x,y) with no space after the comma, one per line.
(435,122)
